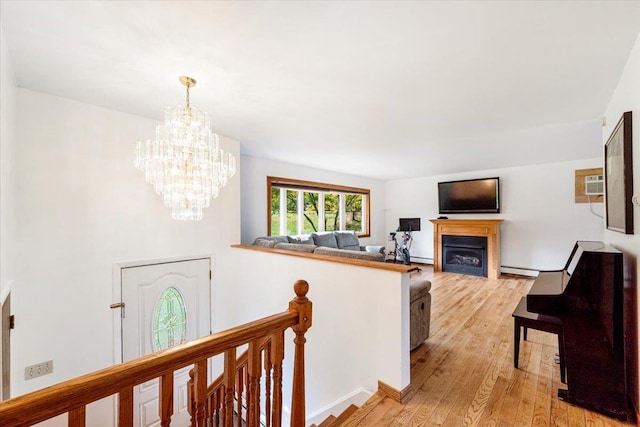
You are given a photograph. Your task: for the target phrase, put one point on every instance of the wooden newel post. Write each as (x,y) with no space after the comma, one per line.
(302,306)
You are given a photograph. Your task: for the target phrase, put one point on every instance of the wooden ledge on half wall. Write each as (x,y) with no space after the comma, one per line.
(400,268)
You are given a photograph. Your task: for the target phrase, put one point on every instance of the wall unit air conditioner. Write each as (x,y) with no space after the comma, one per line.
(593,185)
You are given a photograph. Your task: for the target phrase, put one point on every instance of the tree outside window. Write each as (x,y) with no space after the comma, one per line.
(275,211)
(311,212)
(292,212)
(331,212)
(353,212)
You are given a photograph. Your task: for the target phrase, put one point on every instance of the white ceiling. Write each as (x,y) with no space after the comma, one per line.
(378,89)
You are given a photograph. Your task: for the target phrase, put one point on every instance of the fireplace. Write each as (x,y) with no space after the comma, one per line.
(465,255)
(486,228)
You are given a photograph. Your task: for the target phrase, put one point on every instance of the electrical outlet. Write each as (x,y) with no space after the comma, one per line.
(38,370)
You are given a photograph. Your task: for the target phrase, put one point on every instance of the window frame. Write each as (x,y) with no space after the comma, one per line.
(312,186)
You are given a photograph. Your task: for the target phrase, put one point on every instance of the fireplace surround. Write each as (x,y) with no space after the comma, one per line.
(488,228)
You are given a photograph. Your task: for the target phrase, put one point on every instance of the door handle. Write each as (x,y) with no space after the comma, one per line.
(118,305)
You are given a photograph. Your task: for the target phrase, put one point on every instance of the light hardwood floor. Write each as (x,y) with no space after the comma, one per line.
(463,374)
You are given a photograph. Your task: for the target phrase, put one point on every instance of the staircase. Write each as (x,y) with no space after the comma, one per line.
(332,421)
(374,412)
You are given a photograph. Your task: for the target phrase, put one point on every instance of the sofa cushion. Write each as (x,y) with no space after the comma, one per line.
(347,241)
(298,247)
(281,239)
(327,240)
(345,253)
(265,243)
(372,248)
(419,312)
(418,289)
(300,240)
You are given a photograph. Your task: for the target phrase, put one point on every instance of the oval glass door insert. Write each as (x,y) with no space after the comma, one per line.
(169,320)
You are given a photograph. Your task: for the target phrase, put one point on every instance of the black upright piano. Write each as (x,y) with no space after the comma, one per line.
(587,296)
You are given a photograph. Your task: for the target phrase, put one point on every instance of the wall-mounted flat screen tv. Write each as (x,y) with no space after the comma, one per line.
(469,196)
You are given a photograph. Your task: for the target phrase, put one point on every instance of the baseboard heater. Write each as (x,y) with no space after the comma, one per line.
(422,260)
(519,271)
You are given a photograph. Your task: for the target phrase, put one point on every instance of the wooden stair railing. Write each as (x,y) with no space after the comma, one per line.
(74,395)
(263,354)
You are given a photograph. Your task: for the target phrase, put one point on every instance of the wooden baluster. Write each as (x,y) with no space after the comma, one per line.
(278,357)
(214,408)
(220,406)
(191,402)
(125,408)
(239,390)
(245,380)
(253,388)
(267,378)
(207,410)
(200,391)
(229,381)
(247,394)
(77,417)
(302,306)
(166,399)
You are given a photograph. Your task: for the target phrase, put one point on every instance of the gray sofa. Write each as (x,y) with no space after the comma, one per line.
(338,243)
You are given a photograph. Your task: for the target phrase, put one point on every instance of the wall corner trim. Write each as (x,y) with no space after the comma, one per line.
(401,396)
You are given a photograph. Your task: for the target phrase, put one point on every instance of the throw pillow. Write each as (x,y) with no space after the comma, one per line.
(300,240)
(328,240)
(347,241)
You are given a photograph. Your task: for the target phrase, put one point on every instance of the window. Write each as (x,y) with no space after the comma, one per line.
(169,320)
(304,207)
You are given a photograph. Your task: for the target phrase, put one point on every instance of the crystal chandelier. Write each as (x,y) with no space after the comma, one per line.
(185,163)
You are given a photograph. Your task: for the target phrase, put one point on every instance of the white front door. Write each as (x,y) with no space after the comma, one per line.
(165,305)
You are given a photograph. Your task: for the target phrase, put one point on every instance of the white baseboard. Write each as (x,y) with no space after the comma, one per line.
(519,271)
(422,260)
(356,397)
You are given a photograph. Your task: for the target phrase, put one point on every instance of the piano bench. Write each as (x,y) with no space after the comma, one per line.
(540,322)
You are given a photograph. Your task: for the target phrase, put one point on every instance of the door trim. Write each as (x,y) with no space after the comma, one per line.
(5,348)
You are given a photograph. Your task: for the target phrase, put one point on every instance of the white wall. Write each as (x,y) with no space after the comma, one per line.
(360,330)
(627,98)
(254,197)
(7,173)
(541,220)
(82,206)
